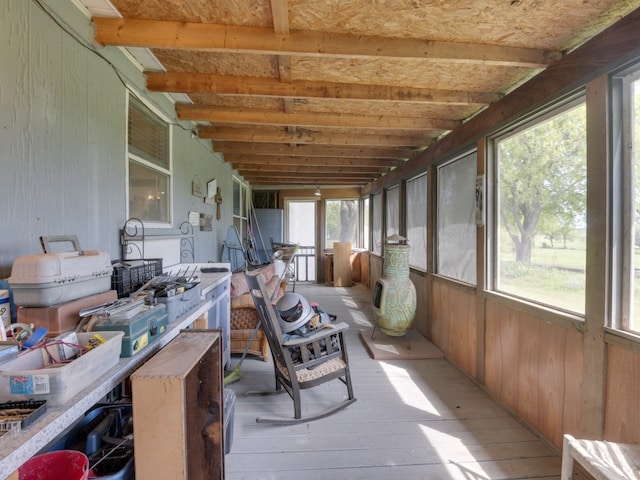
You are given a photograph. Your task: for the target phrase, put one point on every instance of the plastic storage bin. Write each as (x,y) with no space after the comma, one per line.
(48,279)
(182,303)
(143,329)
(31,376)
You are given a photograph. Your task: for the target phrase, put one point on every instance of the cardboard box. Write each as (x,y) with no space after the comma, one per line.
(64,317)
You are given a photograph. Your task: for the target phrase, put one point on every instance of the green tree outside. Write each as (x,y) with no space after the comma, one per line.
(542,195)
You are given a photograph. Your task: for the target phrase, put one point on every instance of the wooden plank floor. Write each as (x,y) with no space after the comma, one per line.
(413,420)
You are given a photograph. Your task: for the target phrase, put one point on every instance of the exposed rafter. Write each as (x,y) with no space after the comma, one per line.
(314,150)
(317,137)
(229,115)
(220,38)
(240,159)
(341,93)
(269,87)
(363,171)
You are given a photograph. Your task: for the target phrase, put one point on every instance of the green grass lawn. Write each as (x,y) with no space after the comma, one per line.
(555,287)
(560,288)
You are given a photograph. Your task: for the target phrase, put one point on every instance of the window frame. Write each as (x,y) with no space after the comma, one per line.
(139,160)
(377,222)
(357,236)
(365,228)
(392,193)
(436,221)
(524,123)
(240,217)
(623,165)
(407,221)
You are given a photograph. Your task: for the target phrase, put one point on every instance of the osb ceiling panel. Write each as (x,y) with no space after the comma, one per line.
(245,102)
(520,23)
(315,84)
(253,13)
(407,73)
(221,63)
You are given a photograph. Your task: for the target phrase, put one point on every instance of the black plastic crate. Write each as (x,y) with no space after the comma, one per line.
(129,275)
(29,411)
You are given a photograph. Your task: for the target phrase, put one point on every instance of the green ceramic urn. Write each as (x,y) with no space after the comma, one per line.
(394,295)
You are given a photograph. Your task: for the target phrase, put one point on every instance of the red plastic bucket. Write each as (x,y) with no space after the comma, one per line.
(59,465)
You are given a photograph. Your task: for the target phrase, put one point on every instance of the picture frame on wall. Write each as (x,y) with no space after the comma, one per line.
(212,186)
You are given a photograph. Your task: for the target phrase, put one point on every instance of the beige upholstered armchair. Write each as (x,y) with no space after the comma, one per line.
(245,318)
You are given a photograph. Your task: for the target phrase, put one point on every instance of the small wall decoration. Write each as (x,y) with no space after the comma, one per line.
(206,222)
(194,218)
(196,187)
(218,203)
(212,187)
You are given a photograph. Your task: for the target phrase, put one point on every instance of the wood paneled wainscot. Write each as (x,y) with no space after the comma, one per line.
(534,367)
(453,323)
(622,413)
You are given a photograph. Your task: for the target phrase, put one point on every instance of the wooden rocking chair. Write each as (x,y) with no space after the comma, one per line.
(319,358)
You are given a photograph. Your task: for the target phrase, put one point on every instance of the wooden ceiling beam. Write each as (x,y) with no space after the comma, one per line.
(229,115)
(269,87)
(300,182)
(316,174)
(280,16)
(272,135)
(255,167)
(331,162)
(314,150)
(129,32)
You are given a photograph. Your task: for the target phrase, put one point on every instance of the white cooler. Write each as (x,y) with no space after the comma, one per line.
(47,279)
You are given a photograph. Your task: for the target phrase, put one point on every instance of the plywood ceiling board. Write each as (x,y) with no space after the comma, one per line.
(407,73)
(534,23)
(464,55)
(222,63)
(254,13)
(400,109)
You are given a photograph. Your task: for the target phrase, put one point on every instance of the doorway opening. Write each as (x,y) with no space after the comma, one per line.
(301,229)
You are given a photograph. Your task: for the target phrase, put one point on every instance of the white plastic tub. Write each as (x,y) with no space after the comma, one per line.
(30,376)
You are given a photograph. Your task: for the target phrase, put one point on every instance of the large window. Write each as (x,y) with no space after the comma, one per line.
(366,228)
(392,211)
(629,266)
(240,206)
(376,224)
(540,234)
(149,165)
(416,221)
(341,221)
(456,243)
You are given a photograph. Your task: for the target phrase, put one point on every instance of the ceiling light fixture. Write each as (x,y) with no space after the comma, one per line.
(317,193)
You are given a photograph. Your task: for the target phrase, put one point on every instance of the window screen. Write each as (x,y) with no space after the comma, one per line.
(456,242)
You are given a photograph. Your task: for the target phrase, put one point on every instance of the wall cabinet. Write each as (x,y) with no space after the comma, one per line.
(220,316)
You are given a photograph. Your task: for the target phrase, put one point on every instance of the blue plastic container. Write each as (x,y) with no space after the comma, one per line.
(103,437)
